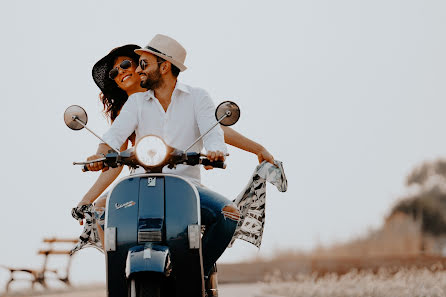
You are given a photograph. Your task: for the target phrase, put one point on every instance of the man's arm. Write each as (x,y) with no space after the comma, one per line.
(123,126)
(100,153)
(205,116)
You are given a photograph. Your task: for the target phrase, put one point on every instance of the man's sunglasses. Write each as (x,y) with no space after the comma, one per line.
(143,64)
(126,64)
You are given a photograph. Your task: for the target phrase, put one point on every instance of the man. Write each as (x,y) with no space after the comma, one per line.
(179,114)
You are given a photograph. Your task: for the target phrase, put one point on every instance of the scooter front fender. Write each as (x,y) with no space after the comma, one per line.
(148,258)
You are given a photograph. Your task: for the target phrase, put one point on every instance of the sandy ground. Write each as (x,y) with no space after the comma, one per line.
(225,290)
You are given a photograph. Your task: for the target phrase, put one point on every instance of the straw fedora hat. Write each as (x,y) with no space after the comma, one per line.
(167,48)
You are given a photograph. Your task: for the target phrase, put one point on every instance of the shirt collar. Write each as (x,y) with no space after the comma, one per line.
(149,95)
(182,87)
(178,86)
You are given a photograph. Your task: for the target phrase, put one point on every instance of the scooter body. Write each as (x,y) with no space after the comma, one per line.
(152,220)
(152,237)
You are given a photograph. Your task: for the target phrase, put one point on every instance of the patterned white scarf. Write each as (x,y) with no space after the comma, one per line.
(89,236)
(251,202)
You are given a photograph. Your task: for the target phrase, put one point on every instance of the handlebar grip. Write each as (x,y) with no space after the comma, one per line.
(215,164)
(85,168)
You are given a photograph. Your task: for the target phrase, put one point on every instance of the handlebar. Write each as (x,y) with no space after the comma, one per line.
(197,158)
(215,164)
(177,157)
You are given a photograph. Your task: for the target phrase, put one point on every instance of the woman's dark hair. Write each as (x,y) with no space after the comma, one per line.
(113,98)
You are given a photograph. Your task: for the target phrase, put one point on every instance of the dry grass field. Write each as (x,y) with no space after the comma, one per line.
(402,283)
(399,243)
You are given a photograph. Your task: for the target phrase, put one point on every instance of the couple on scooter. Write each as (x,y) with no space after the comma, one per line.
(141,95)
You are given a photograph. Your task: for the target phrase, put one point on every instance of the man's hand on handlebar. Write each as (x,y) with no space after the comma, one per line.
(96,166)
(214,156)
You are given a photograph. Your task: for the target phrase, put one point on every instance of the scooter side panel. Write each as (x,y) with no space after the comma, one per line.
(182,209)
(125,219)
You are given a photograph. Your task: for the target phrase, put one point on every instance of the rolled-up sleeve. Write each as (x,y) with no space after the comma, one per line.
(205,115)
(124,124)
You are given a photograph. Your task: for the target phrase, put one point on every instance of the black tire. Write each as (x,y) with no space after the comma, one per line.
(144,286)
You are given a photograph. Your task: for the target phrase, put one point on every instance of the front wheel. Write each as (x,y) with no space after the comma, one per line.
(144,287)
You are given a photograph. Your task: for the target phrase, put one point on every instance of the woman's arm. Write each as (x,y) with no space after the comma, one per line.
(236,139)
(103,181)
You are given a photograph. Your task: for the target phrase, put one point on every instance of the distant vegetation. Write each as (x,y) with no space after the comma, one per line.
(428,201)
(415,225)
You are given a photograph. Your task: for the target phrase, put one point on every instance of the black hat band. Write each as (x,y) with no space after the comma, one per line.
(157,51)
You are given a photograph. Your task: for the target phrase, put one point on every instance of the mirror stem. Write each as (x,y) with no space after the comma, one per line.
(228,113)
(75,118)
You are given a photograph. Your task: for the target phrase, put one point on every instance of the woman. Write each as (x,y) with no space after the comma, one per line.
(115,76)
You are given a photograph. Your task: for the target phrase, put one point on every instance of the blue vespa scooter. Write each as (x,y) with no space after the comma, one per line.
(152,220)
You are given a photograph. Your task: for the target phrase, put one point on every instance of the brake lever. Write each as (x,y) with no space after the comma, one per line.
(204,155)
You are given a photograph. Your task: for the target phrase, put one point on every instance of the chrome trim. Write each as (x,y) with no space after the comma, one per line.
(194,236)
(132,288)
(150,236)
(110,239)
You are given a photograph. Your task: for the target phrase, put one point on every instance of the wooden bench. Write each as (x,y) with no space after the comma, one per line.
(39,276)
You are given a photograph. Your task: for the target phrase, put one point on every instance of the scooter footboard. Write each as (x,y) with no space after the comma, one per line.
(148,258)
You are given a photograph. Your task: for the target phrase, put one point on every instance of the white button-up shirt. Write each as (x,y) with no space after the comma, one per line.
(191,113)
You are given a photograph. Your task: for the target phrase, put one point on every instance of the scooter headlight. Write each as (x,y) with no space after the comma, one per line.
(151,151)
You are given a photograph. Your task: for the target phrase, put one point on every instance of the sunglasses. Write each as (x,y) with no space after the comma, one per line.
(143,64)
(126,64)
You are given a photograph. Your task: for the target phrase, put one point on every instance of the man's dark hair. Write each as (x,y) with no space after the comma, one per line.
(174,69)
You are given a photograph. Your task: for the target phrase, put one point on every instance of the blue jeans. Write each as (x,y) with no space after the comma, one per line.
(220,217)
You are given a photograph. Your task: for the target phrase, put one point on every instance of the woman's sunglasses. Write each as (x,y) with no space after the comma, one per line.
(126,64)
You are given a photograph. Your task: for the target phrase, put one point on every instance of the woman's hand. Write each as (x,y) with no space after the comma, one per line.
(78,212)
(264,155)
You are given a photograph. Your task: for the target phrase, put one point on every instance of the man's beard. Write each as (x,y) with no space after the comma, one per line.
(153,80)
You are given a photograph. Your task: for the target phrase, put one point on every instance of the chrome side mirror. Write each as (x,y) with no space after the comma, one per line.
(227,113)
(74,116)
